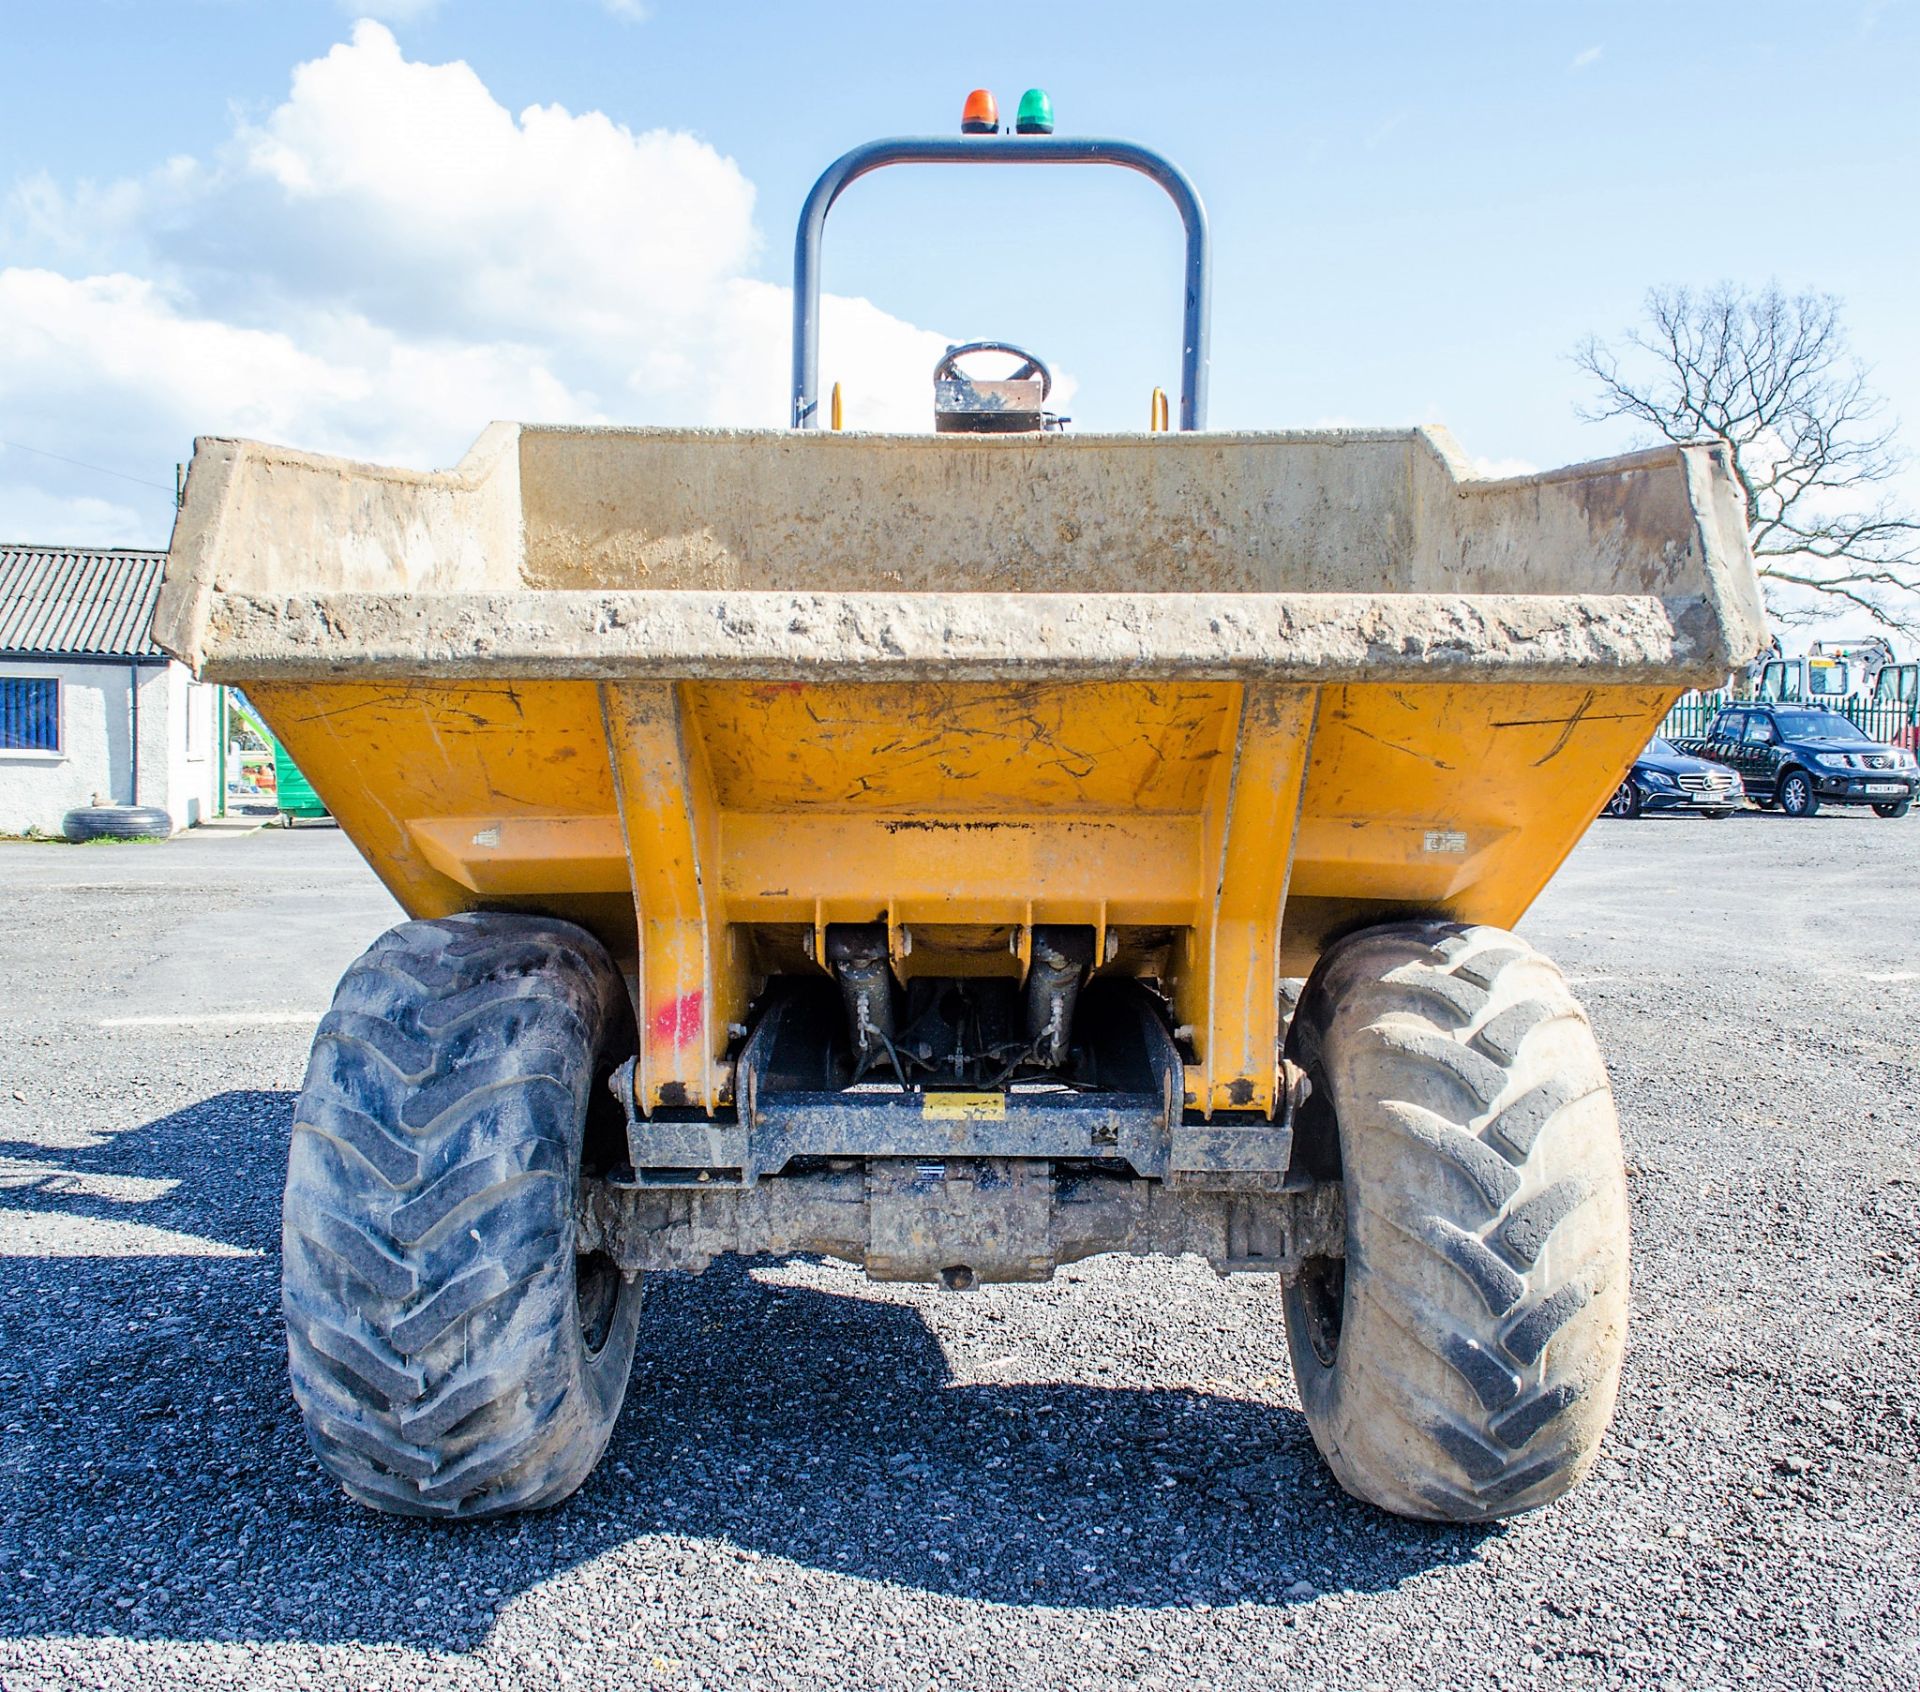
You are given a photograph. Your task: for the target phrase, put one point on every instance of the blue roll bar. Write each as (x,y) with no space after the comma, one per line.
(996,149)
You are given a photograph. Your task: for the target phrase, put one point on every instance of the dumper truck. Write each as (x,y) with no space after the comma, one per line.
(907,849)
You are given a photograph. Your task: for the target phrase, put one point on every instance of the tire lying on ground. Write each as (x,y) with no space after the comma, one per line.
(450,1353)
(1461,1362)
(115,822)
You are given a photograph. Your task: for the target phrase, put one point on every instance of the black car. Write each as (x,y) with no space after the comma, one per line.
(1800,759)
(1664,778)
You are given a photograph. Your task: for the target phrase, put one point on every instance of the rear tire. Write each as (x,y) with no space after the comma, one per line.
(449,1352)
(1461,1362)
(1895,808)
(1797,795)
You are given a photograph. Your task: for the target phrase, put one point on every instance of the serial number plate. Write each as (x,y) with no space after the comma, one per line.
(1885,787)
(963,1107)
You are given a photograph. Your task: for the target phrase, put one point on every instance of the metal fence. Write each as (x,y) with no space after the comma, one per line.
(1689,718)
(1888,720)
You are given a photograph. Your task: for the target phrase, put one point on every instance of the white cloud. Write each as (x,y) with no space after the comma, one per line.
(1501,469)
(111,369)
(629,11)
(390,259)
(1586,56)
(36,516)
(1384,131)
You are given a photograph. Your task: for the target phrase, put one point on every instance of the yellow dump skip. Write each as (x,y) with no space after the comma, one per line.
(1214,835)
(1218,698)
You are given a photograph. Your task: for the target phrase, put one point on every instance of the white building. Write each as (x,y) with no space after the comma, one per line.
(91,711)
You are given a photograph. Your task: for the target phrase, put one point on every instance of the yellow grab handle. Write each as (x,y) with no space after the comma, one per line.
(1158,422)
(836,405)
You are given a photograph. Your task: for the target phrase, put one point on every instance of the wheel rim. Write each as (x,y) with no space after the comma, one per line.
(1795,797)
(1321,1291)
(597,1281)
(1621,804)
(596,1290)
(1323,1301)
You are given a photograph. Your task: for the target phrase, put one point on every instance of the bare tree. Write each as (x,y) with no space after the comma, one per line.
(1810,441)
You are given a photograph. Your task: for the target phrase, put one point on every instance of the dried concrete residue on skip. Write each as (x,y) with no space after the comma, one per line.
(778,636)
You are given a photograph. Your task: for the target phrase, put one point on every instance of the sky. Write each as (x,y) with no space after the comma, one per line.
(373,228)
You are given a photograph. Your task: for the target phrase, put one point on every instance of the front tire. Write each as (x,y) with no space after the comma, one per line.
(1625,802)
(450,1352)
(1797,795)
(1461,1362)
(1894,808)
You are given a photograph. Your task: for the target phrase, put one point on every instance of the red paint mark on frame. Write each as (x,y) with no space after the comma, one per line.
(677,1022)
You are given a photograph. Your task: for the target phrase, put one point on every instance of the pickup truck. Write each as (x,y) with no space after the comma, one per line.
(1799,758)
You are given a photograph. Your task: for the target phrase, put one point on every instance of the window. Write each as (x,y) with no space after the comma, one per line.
(1819,725)
(195,722)
(1760,730)
(29,714)
(1726,726)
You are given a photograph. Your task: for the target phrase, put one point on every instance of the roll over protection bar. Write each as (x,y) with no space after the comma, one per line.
(1002,149)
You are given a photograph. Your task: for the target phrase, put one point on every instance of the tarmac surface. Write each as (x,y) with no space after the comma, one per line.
(1102,1482)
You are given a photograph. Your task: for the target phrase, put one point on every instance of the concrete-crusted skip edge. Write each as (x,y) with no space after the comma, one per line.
(293,566)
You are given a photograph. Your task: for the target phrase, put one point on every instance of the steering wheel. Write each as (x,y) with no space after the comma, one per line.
(948,369)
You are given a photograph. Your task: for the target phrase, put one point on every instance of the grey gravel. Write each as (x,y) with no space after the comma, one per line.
(1103,1482)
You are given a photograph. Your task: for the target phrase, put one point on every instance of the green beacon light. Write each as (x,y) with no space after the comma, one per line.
(1035,116)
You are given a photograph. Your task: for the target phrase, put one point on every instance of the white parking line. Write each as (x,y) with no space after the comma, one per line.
(1895,975)
(218,1019)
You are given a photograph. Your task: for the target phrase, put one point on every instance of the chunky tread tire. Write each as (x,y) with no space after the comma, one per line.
(1462,1363)
(437,1324)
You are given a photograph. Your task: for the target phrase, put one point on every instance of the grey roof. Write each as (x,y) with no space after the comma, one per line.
(60,601)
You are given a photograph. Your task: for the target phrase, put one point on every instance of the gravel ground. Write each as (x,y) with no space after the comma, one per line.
(1105,1482)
